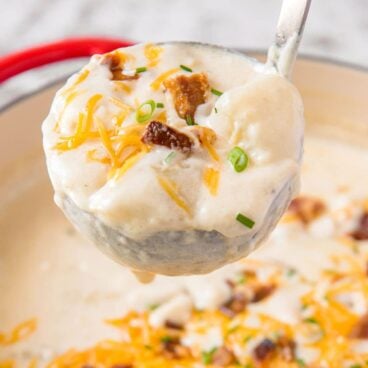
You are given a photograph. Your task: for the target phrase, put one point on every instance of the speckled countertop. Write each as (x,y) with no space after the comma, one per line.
(335,29)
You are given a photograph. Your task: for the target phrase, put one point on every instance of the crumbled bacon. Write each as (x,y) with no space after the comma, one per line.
(307,209)
(172,349)
(188,93)
(223,357)
(114,63)
(235,305)
(173,325)
(264,350)
(163,135)
(121,366)
(361,232)
(262,292)
(286,347)
(360,331)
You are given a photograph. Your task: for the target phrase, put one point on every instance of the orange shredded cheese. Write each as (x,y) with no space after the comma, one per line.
(82,76)
(172,190)
(83,127)
(156,84)
(20,332)
(152,53)
(207,137)
(211,179)
(122,86)
(8,363)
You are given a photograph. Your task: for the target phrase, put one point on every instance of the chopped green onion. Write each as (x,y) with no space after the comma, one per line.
(300,362)
(169,157)
(238,158)
(216,92)
(246,221)
(186,68)
(166,339)
(356,366)
(141,69)
(160,105)
(190,120)
(291,272)
(152,307)
(311,320)
(145,111)
(208,355)
(216,110)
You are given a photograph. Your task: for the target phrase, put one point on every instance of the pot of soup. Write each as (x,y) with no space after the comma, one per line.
(299,300)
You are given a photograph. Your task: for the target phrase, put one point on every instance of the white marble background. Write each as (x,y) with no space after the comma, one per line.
(335,29)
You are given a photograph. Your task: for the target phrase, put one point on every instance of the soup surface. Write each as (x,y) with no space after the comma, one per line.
(300,299)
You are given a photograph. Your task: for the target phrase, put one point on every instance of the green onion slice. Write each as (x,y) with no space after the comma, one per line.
(169,157)
(186,68)
(216,110)
(141,69)
(216,92)
(190,120)
(238,158)
(160,105)
(145,111)
(246,221)
(207,356)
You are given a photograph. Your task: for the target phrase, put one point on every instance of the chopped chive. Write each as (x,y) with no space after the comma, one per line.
(291,272)
(166,339)
(141,69)
(238,158)
(216,110)
(216,92)
(186,68)
(145,111)
(190,120)
(208,355)
(356,366)
(311,320)
(300,362)
(152,307)
(160,105)
(246,221)
(169,157)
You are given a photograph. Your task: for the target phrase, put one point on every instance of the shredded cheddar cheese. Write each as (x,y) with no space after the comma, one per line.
(207,137)
(20,332)
(211,179)
(156,84)
(171,189)
(152,53)
(82,76)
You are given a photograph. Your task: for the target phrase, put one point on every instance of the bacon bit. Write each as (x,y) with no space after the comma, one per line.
(114,63)
(235,305)
(223,357)
(360,331)
(173,325)
(163,135)
(188,93)
(306,209)
(121,366)
(361,232)
(262,292)
(172,349)
(264,350)
(286,347)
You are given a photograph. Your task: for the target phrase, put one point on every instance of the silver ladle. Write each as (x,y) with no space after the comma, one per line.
(198,251)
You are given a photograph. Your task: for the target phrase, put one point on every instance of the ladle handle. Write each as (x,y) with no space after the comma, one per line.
(282,54)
